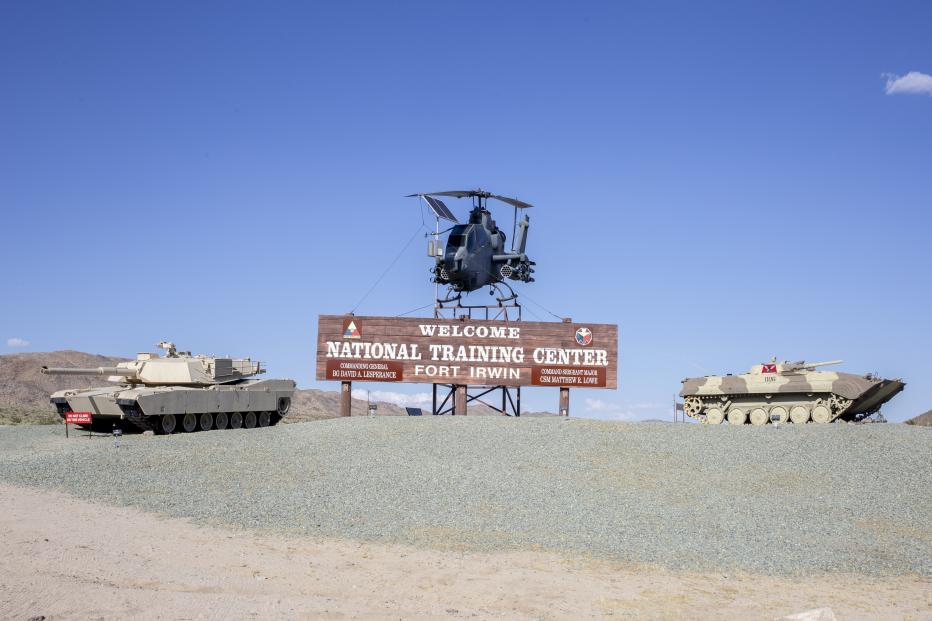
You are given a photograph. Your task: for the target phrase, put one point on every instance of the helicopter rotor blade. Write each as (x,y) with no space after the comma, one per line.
(512,201)
(480,193)
(457,193)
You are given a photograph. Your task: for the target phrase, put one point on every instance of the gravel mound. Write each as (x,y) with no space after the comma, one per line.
(787,500)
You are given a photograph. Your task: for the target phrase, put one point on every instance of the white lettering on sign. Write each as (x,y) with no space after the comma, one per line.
(503,354)
(434,370)
(470,331)
(476,353)
(576,357)
(485,373)
(373,351)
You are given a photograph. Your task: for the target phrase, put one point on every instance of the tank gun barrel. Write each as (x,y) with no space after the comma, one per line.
(822,364)
(802,364)
(89,371)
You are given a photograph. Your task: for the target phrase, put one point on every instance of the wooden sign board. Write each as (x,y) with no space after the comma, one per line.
(467,352)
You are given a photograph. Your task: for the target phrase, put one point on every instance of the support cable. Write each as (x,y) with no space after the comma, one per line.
(390,266)
(414,310)
(533,301)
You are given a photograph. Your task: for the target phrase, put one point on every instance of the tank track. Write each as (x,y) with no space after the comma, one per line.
(134,416)
(150,423)
(833,408)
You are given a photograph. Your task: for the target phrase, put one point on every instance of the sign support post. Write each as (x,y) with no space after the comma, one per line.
(564,401)
(459,401)
(346,399)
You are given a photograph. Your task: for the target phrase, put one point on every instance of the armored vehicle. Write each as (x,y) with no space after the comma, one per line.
(794,392)
(179,391)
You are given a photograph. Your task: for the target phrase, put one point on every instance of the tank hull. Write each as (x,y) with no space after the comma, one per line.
(147,406)
(797,396)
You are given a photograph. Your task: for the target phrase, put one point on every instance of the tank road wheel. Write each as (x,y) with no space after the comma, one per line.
(205,421)
(221,420)
(737,416)
(284,404)
(821,414)
(779,414)
(265,419)
(759,417)
(249,421)
(714,416)
(167,424)
(692,406)
(799,414)
(189,422)
(236,420)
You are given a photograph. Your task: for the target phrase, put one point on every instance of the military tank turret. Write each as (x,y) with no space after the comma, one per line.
(179,391)
(796,392)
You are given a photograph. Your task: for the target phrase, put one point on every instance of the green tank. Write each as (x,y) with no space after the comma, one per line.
(795,392)
(179,392)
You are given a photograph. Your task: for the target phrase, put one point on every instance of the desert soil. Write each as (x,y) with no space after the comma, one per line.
(65,558)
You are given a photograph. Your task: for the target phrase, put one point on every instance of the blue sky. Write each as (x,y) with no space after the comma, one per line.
(726,182)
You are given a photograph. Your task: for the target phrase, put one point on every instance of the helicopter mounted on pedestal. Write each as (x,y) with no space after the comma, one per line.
(475,254)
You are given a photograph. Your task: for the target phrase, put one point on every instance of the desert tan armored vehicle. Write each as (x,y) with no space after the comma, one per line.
(786,392)
(179,392)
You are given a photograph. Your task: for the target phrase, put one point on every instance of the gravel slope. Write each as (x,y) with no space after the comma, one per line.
(840,498)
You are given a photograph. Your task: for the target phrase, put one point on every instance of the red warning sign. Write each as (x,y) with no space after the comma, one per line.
(79,418)
(768,368)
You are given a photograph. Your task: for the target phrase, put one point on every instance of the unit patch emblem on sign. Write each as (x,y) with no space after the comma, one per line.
(584,336)
(768,368)
(351,329)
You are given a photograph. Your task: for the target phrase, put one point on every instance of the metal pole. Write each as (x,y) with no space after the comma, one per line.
(436,284)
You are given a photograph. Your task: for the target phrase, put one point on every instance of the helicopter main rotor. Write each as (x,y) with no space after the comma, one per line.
(477,193)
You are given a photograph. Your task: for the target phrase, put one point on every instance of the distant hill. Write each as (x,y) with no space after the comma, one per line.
(24,391)
(923,420)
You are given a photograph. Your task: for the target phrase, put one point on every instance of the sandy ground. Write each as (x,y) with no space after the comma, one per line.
(64,558)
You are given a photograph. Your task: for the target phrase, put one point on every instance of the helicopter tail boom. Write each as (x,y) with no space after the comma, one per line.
(521,237)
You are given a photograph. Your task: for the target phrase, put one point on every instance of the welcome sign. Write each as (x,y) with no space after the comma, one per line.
(467,352)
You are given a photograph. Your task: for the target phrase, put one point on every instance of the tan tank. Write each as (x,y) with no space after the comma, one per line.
(179,391)
(784,392)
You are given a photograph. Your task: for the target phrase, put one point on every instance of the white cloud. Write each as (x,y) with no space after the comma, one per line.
(597,405)
(620,411)
(419,399)
(913,82)
(15,341)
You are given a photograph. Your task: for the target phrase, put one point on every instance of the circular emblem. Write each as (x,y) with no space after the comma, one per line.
(583,336)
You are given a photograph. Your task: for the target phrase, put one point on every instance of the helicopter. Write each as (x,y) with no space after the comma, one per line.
(475,254)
